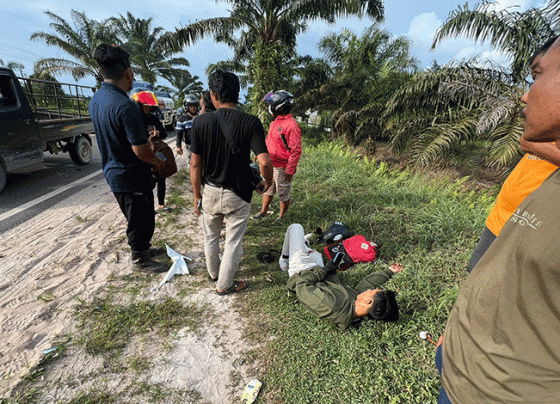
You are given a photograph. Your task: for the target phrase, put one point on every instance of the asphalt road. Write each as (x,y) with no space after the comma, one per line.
(26,195)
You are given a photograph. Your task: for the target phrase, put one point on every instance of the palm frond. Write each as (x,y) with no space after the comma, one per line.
(56,66)
(441,139)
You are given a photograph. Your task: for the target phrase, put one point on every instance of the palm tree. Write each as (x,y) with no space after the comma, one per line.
(517,34)
(148,54)
(13,65)
(183,83)
(79,42)
(366,72)
(464,108)
(268,31)
(455,110)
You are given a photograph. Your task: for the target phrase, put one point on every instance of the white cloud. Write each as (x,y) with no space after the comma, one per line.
(512,5)
(423,28)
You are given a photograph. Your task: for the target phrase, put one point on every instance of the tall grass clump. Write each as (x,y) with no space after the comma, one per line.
(429,226)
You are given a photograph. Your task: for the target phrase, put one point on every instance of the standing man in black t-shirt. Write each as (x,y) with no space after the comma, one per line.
(226,177)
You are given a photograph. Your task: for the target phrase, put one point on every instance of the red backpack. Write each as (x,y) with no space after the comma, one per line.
(356,249)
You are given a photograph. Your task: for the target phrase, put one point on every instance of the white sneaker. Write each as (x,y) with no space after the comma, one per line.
(284,263)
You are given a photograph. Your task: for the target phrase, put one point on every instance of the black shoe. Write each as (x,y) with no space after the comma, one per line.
(155,251)
(142,261)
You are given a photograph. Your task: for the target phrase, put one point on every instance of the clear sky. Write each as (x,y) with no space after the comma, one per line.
(416,19)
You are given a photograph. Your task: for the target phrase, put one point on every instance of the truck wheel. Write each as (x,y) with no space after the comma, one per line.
(3,177)
(172,125)
(80,151)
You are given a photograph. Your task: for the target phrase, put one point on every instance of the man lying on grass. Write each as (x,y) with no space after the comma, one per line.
(318,288)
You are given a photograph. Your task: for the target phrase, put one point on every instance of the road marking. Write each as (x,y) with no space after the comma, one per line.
(43,198)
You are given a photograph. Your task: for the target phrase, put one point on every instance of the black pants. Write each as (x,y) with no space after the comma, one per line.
(138,208)
(161,192)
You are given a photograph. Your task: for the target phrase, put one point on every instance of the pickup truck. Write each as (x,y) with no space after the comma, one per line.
(38,116)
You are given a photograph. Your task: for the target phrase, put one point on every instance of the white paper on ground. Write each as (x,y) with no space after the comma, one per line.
(179,266)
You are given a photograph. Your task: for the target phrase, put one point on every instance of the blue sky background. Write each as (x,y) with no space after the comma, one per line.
(415,19)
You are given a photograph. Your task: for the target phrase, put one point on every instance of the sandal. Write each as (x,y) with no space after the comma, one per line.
(237,286)
(267,257)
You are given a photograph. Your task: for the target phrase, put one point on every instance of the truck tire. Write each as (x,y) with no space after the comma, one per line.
(3,177)
(171,126)
(80,151)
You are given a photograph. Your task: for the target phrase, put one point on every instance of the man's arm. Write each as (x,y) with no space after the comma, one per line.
(196,179)
(295,152)
(306,279)
(377,279)
(146,154)
(159,128)
(546,151)
(265,165)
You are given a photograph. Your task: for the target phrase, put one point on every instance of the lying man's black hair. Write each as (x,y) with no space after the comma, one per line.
(384,306)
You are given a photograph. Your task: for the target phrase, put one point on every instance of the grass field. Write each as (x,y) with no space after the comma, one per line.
(427,222)
(430,226)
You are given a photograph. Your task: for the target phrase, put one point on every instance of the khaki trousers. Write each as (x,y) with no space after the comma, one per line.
(219,204)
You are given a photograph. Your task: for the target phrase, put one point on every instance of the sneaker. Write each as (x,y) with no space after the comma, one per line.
(142,261)
(258,216)
(155,251)
(278,220)
(284,263)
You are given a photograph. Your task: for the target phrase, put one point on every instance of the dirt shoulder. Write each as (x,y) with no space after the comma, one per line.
(75,252)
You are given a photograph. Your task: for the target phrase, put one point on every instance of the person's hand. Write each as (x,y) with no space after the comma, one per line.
(179,151)
(525,146)
(396,268)
(154,133)
(288,177)
(198,206)
(262,187)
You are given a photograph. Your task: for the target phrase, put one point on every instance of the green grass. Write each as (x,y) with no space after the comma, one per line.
(428,225)
(109,326)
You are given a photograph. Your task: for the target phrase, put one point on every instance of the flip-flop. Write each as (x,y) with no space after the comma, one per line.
(267,257)
(237,286)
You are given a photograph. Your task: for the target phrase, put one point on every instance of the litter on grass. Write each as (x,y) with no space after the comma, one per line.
(179,266)
(251,391)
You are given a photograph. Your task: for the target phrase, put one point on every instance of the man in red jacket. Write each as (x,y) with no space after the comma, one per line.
(284,147)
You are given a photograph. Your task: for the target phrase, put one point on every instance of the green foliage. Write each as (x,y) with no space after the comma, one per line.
(453,107)
(312,135)
(445,110)
(518,34)
(79,42)
(267,37)
(429,226)
(268,72)
(366,71)
(149,55)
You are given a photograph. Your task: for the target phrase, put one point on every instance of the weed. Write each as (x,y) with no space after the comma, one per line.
(46,297)
(108,326)
(95,397)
